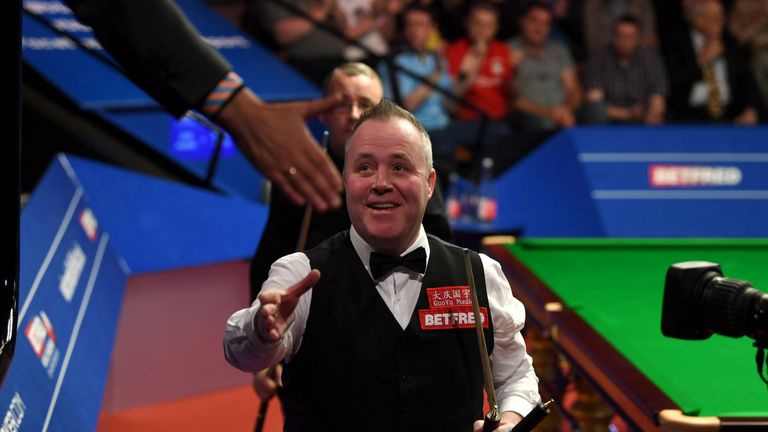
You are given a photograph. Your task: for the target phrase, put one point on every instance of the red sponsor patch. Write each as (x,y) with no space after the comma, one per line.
(443,319)
(449,297)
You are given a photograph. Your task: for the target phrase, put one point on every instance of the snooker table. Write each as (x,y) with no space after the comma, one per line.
(599,302)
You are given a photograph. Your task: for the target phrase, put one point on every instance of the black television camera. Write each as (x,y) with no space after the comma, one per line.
(699,301)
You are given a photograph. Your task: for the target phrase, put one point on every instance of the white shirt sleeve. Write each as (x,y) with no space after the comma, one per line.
(514,379)
(242,347)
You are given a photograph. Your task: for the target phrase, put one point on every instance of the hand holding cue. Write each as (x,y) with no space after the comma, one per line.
(533,418)
(493,418)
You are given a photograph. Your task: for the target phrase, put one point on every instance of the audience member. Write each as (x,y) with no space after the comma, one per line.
(481,66)
(709,79)
(481,70)
(311,50)
(547,88)
(435,41)
(365,21)
(417,97)
(599,16)
(625,81)
(748,24)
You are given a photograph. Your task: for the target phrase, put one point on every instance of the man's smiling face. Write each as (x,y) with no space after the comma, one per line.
(387,183)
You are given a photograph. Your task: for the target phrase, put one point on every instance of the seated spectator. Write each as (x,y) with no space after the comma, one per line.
(709,79)
(481,70)
(625,81)
(547,89)
(748,24)
(436,41)
(481,66)
(416,96)
(311,50)
(599,16)
(367,21)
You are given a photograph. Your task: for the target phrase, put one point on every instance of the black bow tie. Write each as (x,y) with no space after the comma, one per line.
(383,264)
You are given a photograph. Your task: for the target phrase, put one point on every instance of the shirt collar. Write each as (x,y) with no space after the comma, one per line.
(698,40)
(363,249)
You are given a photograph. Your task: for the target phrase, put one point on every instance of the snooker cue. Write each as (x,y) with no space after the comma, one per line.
(493,418)
(301,244)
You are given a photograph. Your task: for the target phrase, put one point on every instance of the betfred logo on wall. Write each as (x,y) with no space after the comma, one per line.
(661,176)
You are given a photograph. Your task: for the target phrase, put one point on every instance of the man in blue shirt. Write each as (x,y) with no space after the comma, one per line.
(426,103)
(423,101)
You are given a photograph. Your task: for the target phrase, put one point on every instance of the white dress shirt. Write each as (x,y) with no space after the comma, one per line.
(513,375)
(700,90)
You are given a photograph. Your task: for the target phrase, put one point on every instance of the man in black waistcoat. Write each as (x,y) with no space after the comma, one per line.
(385,340)
(361,89)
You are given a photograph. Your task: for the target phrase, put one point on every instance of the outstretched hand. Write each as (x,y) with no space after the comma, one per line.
(275,139)
(276,312)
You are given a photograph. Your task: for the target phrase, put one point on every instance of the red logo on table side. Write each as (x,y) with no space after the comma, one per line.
(450,307)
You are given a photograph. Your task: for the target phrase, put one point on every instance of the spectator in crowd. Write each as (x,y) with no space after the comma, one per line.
(625,81)
(599,16)
(709,79)
(312,50)
(481,66)
(367,22)
(481,70)
(435,41)
(547,89)
(416,96)
(748,23)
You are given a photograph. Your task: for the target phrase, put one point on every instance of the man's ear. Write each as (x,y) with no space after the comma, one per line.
(431,181)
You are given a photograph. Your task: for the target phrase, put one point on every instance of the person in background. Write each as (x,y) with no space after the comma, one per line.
(367,324)
(481,70)
(709,79)
(313,51)
(426,103)
(370,23)
(600,15)
(625,81)
(165,56)
(418,97)
(481,66)
(748,24)
(547,89)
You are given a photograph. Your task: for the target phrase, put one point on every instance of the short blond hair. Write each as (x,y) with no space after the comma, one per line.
(350,69)
(387,110)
